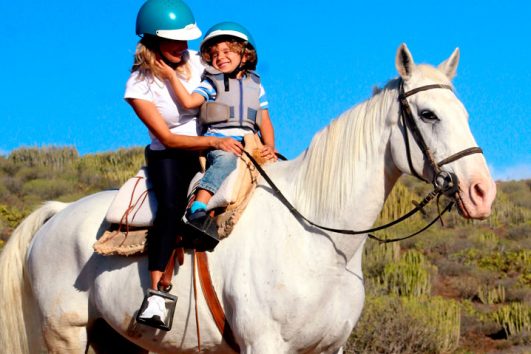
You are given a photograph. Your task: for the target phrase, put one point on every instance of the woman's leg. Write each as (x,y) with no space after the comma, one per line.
(170,172)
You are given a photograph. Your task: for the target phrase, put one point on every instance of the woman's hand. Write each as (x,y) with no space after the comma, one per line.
(269,153)
(165,70)
(229,145)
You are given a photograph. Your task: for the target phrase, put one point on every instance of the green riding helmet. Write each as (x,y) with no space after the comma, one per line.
(232,29)
(171,19)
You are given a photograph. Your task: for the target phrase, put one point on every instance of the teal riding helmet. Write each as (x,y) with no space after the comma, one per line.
(171,19)
(232,29)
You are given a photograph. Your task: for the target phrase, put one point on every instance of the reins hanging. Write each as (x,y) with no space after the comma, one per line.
(444,182)
(296,213)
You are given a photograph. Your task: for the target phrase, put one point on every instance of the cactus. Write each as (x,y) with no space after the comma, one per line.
(408,277)
(490,296)
(515,318)
(442,316)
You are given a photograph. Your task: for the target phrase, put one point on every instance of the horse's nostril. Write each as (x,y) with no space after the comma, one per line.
(479,191)
(482,194)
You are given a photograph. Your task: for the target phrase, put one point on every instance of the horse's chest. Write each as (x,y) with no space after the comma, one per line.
(317,315)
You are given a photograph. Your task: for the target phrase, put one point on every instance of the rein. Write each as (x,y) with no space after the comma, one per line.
(444,182)
(419,206)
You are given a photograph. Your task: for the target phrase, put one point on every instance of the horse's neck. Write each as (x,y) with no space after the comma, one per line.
(343,178)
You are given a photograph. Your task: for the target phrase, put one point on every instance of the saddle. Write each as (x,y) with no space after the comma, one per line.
(134,207)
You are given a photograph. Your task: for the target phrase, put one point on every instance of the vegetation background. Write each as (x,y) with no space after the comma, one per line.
(461,288)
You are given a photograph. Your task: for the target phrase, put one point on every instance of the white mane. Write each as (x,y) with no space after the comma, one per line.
(325,179)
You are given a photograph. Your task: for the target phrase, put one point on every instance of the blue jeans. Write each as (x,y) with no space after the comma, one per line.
(219,166)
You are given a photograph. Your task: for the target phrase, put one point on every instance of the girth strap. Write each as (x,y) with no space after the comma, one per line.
(213,302)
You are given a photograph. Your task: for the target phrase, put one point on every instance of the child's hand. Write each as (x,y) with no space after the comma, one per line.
(166,71)
(268,153)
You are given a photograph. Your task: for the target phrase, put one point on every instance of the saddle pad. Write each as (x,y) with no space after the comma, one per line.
(134,204)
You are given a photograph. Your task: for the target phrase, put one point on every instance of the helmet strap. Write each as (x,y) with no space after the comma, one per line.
(242,65)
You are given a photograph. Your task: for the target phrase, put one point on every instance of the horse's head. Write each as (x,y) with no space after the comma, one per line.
(431,138)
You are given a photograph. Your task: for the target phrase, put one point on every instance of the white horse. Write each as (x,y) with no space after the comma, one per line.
(285,286)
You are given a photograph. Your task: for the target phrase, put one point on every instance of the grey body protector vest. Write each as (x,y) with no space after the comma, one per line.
(237,103)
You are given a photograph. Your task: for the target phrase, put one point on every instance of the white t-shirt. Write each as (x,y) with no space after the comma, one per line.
(179,120)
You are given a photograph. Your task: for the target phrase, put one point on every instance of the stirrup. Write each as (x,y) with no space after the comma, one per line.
(202,236)
(170,301)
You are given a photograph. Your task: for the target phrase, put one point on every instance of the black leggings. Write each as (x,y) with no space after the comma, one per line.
(170,172)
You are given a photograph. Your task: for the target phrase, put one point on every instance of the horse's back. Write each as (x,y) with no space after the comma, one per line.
(81,221)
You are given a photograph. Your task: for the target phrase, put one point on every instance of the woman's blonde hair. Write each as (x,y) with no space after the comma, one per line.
(146,56)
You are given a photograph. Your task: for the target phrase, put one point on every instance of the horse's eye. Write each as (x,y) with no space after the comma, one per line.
(428,115)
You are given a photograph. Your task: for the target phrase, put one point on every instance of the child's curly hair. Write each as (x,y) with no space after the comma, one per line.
(235,45)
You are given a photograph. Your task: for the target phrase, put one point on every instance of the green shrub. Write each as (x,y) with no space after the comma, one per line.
(390,324)
(521,234)
(506,212)
(110,170)
(507,262)
(11,216)
(519,192)
(47,189)
(12,184)
(53,157)
(465,287)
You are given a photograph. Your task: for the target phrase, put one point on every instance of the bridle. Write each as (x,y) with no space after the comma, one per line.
(444,182)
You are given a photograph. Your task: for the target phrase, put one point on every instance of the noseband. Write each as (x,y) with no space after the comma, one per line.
(445,182)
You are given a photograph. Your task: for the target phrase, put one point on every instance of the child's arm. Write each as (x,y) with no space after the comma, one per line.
(149,114)
(187,100)
(266,130)
(268,136)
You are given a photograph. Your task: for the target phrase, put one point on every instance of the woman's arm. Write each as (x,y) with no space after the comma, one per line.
(186,100)
(150,116)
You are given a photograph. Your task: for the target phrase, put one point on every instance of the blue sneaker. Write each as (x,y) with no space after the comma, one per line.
(195,217)
(203,230)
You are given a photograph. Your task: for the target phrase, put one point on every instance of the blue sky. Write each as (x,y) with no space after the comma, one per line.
(65,65)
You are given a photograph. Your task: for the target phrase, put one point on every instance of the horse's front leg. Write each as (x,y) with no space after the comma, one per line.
(266,344)
(64,335)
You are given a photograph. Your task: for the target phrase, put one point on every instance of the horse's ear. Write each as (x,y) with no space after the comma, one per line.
(404,62)
(449,66)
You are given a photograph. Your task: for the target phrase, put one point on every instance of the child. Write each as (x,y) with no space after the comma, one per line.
(233,104)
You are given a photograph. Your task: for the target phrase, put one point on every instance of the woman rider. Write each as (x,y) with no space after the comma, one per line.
(165,26)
